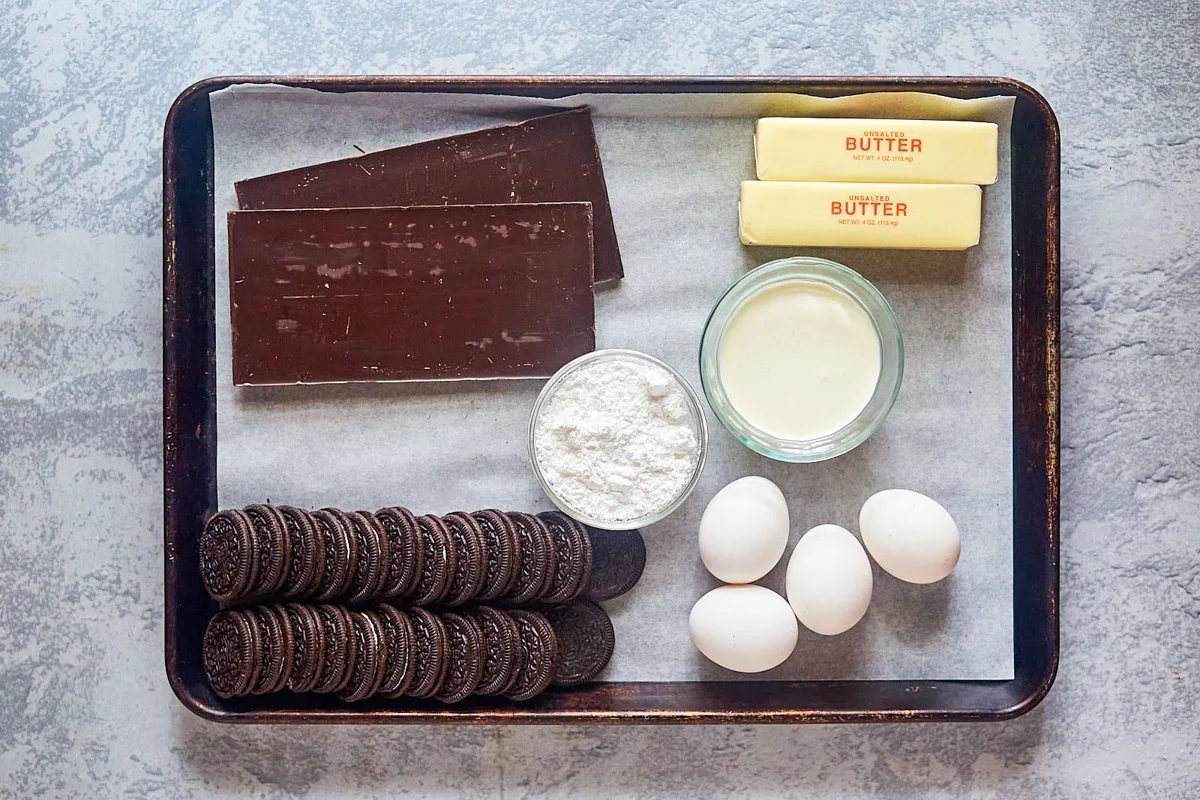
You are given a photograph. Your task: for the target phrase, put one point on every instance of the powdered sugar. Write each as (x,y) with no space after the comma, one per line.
(616,440)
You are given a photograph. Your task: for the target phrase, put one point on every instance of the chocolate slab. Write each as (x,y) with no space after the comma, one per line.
(548,159)
(393,294)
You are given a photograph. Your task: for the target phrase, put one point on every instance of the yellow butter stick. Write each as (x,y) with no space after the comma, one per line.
(870,150)
(906,216)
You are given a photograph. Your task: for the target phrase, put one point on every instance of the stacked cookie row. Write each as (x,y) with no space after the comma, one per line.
(384,651)
(359,557)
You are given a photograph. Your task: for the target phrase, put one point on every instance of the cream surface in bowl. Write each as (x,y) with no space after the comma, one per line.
(802,359)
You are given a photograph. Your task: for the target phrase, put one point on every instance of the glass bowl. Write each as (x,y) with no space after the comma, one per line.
(696,418)
(833,276)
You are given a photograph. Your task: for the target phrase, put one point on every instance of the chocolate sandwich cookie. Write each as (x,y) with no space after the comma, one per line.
(618,559)
(464,650)
(503,553)
(370,656)
(399,643)
(271,549)
(309,642)
(278,649)
(232,653)
(573,556)
(585,642)
(289,647)
(339,645)
(306,563)
(341,553)
(227,563)
(438,564)
(589,560)
(430,663)
(537,565)
(470,557)
(501,650)
(539,650)
(405,554)
(371,568)
(376,623)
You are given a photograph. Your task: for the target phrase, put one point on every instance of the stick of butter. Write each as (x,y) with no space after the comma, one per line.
(907,216)
(887,150)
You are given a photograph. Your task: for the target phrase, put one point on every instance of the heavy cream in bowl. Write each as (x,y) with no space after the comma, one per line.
(617,439)
(802,359)
(799,360)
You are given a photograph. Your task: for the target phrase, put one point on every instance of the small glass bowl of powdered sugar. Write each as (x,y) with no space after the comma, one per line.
(617,439)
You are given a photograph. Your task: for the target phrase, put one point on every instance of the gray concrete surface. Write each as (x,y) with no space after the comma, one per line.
(85,710)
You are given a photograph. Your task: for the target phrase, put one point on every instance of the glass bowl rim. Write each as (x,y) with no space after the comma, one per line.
(840,278)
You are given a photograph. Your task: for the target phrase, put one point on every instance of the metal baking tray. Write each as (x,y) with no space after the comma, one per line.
(190,438)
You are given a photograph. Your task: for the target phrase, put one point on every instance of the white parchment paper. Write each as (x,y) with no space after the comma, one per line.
(673,164)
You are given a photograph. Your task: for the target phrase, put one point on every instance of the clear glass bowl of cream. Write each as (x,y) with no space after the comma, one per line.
(802,359)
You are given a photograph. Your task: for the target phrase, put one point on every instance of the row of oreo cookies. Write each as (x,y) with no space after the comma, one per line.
(358,557)
(387,652)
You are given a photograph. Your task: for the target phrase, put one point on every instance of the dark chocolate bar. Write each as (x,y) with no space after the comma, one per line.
(392,294)
(549,159)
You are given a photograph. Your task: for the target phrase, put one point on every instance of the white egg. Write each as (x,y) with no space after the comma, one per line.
(744,628)
(744,530)
(910,535)
(829,580)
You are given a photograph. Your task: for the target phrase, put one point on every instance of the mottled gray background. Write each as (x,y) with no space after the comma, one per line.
(85,709)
